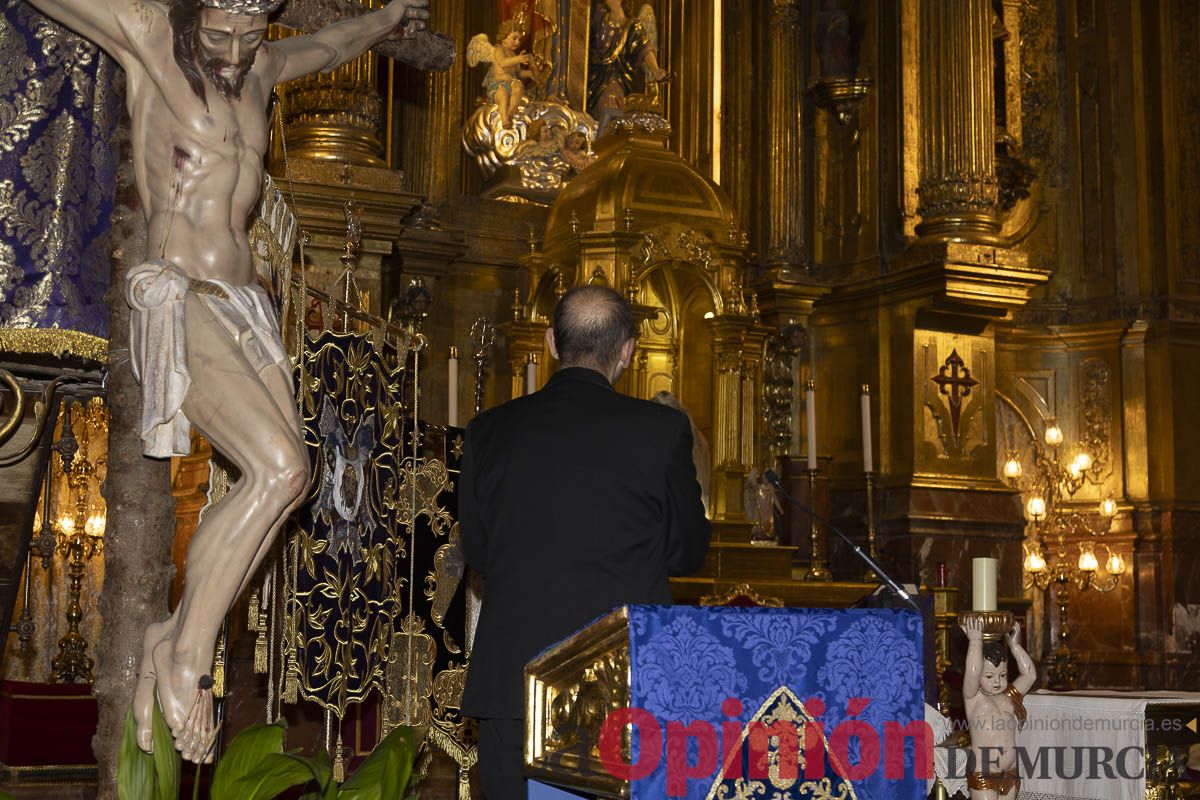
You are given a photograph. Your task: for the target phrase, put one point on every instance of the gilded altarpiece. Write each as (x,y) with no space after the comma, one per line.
(644,222)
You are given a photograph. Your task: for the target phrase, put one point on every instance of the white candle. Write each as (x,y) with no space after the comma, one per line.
(868,461)
(452,388)
(983,584)
(530,376)
(810,400)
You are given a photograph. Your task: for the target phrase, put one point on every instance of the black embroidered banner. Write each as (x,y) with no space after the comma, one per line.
(376,600)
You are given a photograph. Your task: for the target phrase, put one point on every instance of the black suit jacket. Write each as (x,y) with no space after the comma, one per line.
(571,501)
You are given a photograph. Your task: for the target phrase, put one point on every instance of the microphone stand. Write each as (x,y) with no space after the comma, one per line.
(884,578)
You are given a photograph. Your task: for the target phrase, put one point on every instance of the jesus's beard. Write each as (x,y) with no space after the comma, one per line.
(230,87)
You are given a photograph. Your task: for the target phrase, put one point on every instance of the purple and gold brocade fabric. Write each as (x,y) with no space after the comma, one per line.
(59,107)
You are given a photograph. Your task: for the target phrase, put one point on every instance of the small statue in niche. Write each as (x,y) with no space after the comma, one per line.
(504,84)
(834,42)
(995,709)
(621,45)
(761,503)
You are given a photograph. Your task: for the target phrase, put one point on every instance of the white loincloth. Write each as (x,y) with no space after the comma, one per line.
(158,347)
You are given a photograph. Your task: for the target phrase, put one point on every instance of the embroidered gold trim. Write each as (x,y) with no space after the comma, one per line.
(56,342)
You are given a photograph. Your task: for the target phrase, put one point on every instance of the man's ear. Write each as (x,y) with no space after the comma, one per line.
(550,343)
(627,352)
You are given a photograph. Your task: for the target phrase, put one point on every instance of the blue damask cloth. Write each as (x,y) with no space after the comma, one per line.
(843,667)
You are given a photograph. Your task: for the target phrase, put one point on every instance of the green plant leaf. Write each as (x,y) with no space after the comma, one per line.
(386,772)
(275,773)
(167,763)
(322,771)
(243,757)
(135,770)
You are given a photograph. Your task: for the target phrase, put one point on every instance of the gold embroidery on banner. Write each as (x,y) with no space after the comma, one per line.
(448,687)
(442,583)
(410,674)
(781,706)
(431,480)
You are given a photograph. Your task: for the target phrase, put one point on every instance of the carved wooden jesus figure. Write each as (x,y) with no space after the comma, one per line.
(205,342)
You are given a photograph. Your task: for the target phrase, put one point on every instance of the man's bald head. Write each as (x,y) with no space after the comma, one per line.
(592,327)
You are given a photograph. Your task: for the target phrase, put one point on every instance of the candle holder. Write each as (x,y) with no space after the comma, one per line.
(818,568)
(483,336)
(995,624)
(872,545)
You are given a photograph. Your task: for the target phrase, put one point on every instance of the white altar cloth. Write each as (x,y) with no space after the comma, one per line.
(1092,719)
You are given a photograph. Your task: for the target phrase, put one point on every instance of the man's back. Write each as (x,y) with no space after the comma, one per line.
(572,501)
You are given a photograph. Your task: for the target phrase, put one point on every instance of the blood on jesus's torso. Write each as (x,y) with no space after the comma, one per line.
(198,164)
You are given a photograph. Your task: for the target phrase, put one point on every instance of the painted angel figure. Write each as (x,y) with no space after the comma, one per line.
(503,85)
(622,44)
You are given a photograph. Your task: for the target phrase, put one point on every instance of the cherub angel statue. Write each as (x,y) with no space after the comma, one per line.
(503,85)
(995,709)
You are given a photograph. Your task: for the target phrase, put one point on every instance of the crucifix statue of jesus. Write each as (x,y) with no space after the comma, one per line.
(204,339)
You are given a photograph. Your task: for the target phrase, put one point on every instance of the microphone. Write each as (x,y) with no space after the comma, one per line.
(887,580)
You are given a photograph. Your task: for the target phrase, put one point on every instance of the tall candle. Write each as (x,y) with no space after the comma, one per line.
(983,584)
(530,375)
(452,388)
(868,461)
(810,400)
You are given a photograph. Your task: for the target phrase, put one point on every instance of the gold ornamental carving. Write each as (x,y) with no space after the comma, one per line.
(570,690)
(1096,403)
(954,405)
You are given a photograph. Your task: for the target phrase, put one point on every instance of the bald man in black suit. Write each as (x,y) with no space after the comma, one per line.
(572,500)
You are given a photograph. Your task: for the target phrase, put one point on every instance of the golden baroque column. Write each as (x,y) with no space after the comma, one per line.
(958,189)
(337,115)
(729,468)
(785,236)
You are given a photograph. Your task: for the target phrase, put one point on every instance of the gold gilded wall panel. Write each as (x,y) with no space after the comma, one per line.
(1182,145)
(844,216)
(953,399)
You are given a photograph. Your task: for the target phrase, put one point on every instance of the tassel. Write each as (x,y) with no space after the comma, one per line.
(339,763)
(252,612)
(291,684)
(218,669)
(464,783)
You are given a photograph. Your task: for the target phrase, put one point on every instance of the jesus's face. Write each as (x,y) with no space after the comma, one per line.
(226,47)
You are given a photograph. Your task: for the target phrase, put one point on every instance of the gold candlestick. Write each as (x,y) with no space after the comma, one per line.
(818,569)
(872,549)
